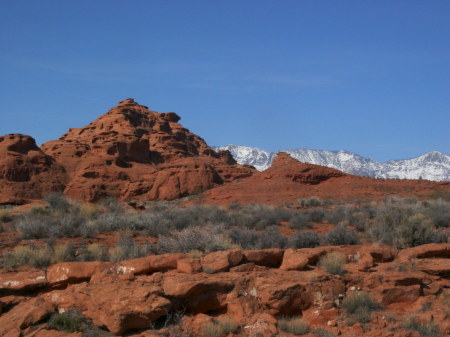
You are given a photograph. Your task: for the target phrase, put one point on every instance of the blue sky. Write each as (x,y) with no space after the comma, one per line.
(372,77)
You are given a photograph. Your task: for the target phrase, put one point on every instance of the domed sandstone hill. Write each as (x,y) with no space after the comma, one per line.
(25,171)
(289,180)
(130,152)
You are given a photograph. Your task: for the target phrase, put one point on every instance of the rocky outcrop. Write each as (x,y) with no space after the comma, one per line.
(249,287)
(26,172)
(130,152)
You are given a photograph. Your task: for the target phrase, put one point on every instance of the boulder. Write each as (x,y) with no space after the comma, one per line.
(149,264)
(221,261)
(74,272)
(189,266)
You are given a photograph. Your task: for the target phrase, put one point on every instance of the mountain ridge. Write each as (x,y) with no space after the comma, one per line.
(433,165)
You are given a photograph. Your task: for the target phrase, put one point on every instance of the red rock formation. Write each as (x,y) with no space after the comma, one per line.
(25,171)
(130,152)
(288,180)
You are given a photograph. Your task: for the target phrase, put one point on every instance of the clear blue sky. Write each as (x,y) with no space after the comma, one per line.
(372,77)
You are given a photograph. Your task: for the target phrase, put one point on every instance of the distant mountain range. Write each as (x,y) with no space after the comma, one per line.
(433,165)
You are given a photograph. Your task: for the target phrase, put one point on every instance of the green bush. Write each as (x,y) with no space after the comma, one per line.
(333,263)
(293,325)
(220,328)
(192,238)
(321,332)
(341,236)
(425,330)
(4,216)
(402,226)
(359,305)
(300,220)
(57,202)
(250,239)
(337,215)
(28,255)
(304,240)
(311,202)
(69,321)
(127,249)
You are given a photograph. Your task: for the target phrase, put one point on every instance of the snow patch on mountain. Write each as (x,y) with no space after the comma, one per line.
(431,166)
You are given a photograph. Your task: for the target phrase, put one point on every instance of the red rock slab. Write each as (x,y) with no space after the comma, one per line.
(25,314)
(221,261)
(189,266)
(439,250)
(120,306)
(298,259)
(265,257)
(74,272)
(149,264)
(439,267)
(200,293)
(282,294)
(18,281)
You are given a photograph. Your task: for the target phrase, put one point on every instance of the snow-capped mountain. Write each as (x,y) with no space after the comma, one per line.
(431,166)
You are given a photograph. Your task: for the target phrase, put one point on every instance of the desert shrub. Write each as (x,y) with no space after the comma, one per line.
(401,227)
(359,305)
(304,219)
(316,215)
(358,220)
(38,211)
(220,328)
(245,238)
(7,260)
(294,325)
(228,324)
(250,239)
(439,213)
(321,332)
(89,211)
(94,252)
(336,215)
(57,202)
(31,227)
(311,202)
(5,216)
(425,330)
(64,226)
(333,263)
(271,238)
(192,238)
(28,255)
(69,321)
(300,220)
(111,222)
(304,240)
(341,236)
(111,205)
(127,249)
(62,253)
